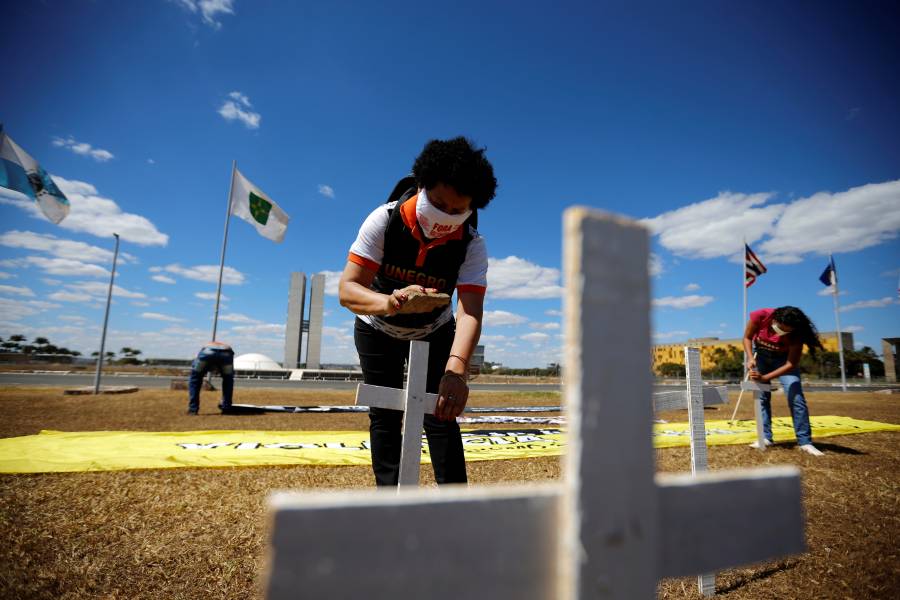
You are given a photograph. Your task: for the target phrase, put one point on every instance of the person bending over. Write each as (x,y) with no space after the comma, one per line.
(424,241)
(777,336)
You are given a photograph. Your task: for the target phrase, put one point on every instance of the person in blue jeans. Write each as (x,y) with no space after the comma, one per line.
(774,337)
(216,357)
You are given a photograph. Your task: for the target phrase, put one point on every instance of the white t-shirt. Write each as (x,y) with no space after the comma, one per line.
(369,245)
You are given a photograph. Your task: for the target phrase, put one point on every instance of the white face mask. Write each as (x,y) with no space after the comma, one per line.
(778,329)
(436,223)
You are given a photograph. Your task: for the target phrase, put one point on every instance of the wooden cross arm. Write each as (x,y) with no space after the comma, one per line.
(424,543)
(755,386)
(722,519)
(678,400)
(393,398)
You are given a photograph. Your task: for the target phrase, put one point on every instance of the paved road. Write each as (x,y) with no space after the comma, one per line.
(151,381)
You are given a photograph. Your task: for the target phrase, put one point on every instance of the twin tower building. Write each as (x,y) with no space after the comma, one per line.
(297,325)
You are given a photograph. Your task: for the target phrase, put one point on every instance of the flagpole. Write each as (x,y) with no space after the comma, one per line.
(112,279)
(224,244)
(837,322)
(743,322)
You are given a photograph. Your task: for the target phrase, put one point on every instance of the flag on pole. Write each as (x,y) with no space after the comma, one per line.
(753,267)
(21,173)
(829,275)
(252,205)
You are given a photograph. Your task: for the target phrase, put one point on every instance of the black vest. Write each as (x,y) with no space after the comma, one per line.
(438,267)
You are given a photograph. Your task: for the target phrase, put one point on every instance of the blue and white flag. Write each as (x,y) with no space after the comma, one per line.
(829,275)
(21,173)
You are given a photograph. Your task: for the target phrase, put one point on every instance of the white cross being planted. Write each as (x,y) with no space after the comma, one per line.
(611,528)
(415,404)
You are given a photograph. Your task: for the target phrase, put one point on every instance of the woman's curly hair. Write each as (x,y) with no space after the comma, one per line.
(458,164)
(802,327)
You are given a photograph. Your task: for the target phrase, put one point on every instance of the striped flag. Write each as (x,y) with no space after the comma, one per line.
(753,267)
(21,173)
(829,275)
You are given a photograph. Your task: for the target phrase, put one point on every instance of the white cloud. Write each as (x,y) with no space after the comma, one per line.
(853,329)
(207,273)
(237,318)
(691,287)
(61,248)
(150,161)
(96,215)
(493,339)
(71,318)
(210,296)
(545,326)
(517,278)
(498,318)
(655,265)
(326,190)
(56,266)
(140,303)
(84,149)
(713,228)
(64,296)
(552,312)
(163,279)
(879,303)
(5,275)
(332,279)
(829,291)
(11,310)
(161,317)
(668,335)
(827,222)
(682,302)
(239,109)
(209,10)
(16,291)
(535,337)
(92,291)
(258,328)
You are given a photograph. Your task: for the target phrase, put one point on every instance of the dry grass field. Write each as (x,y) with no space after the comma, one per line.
(200,533)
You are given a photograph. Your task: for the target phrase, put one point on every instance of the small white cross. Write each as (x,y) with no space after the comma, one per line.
(415,403)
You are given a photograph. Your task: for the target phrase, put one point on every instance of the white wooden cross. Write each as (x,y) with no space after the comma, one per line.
(415,404)
(609,529)
(696,398)
(757,388)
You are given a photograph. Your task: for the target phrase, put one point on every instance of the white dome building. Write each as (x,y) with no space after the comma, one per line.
(255,362)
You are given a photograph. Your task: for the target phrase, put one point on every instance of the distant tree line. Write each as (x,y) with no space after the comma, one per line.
(19,344)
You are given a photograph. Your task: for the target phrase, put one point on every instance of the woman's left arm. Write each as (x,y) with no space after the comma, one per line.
(793,361)
(454,391)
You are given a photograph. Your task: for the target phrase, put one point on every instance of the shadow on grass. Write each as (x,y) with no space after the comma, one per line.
(757,576)
(823,446)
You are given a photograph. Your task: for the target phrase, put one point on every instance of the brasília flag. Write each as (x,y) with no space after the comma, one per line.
(21,173)
(252,205)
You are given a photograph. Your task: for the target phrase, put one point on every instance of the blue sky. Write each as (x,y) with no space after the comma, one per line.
(709,120)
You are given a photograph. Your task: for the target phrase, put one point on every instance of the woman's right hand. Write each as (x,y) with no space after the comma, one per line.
(751,365)
(398,298)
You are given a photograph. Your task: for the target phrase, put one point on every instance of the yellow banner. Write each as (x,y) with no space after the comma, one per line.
(57,451)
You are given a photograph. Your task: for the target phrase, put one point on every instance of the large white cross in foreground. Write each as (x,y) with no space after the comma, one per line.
(415,404)
(610,529)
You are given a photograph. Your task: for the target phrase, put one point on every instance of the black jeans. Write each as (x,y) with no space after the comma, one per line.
(382,359)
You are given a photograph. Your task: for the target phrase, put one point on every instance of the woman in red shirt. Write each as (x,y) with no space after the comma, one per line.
(777,336)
